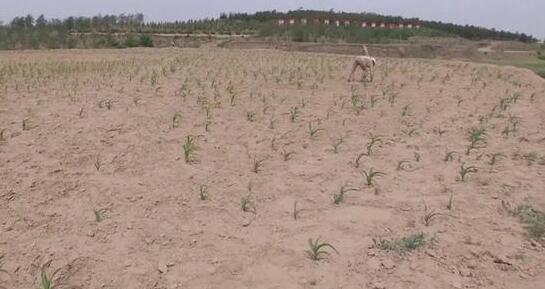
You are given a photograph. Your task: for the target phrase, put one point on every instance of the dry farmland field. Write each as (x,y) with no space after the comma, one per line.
(216,168)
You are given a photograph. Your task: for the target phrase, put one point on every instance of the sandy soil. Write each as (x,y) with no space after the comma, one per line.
(94,182)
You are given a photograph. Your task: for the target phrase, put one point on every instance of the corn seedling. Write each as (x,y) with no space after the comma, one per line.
(295,211)
(449,156)
(46,280)
(406,111)
(404,165)
(250,116)
(99,215)
(337,144)
(286,155)
(294,113)
(375,140)
(27,123)
(464,171)
(2,137)
(495,157)
(358,159)
(370,176)
(417,157)
(257,165)
(189,149)
(317,251)
(339,198)
(98,164)
(450,201)
(247,205)
(313,131)
(429,215)
(203,192)
(476,138)
(439,131)
(176,120)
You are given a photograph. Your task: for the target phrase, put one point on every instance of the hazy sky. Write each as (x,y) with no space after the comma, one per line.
(518,16)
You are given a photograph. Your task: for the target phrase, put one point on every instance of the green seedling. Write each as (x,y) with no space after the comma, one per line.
(257,165)
(339,198)
(464,171)
(374,141)
(286,155)
(449,156)
(294,113)
(203,192)
(450,201)
(317,251)
(337,144)
(247,205)
(295,211)
(429,215)
(98,163)
(476,138)
(2,137)
(406,111)
(27,123)
(403,165)
(99,215)
(46,280)
(176,120)
(250,116)
(189,149)
(358,159)
(313,131)
(370,176)
(495,157)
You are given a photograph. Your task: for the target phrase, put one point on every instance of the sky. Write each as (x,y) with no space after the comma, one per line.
(526,16)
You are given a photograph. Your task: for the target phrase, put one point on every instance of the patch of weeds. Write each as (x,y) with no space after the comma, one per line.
(317,250)
(534,220)
(403,245)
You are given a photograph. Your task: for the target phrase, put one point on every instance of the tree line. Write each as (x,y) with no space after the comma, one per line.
(131,30)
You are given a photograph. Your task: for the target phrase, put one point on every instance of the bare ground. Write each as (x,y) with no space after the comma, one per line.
(95,184)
